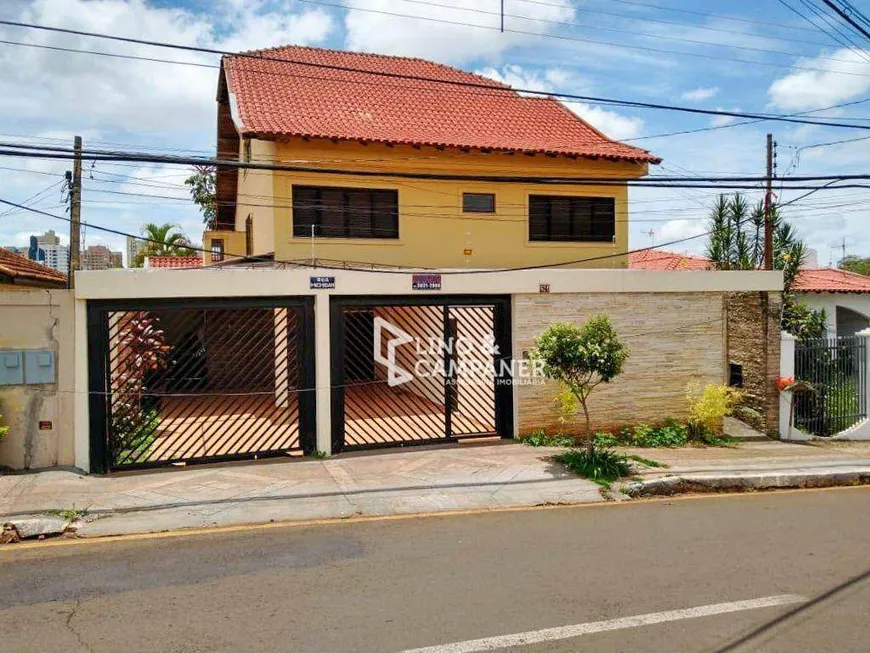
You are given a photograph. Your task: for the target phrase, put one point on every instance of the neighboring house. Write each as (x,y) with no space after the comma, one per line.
(845,296)
(173,262)
(18,272)
(299,113)
(659,259)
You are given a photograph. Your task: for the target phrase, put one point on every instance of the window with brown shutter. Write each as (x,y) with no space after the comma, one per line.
(335,212)
(572,219)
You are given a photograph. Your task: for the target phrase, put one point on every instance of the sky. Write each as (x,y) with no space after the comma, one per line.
(747,56)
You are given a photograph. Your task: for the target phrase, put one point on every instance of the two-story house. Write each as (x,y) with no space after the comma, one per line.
(358,167)
(346,113)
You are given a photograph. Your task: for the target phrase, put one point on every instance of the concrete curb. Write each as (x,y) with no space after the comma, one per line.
(747,482)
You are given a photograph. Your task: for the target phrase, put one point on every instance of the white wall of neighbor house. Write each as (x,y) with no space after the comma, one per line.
(639,302)
(40,416)
(856,302)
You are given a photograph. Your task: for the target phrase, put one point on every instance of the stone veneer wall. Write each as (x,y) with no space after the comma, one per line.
(675,338)
(754,341)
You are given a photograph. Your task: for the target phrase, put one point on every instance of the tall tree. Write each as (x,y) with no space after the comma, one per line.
(203,190)
(163,240)
(858,264)
(737,243)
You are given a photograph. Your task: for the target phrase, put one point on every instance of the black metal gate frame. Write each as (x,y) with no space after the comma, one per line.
(98,368)
(504,417)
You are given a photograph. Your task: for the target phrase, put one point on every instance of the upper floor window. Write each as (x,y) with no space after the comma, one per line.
(345,212)
(478,202)
(573,219)
(217,250)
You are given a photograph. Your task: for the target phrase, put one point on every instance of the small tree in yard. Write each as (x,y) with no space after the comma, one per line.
(582,358)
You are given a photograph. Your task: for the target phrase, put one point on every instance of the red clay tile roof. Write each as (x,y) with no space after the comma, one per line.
(173,262)
(21,270)
(807,280)
(276,99)
(659,259)
(831,280)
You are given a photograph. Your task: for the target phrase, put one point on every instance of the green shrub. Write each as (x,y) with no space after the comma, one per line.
(135,433)
(3,429)
(540,438)
(708,406)
(671,434)
(603,466)
(606,439)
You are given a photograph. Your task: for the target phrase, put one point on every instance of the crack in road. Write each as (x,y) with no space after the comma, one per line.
(71,628)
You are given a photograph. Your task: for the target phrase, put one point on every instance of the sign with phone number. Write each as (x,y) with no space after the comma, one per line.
(426,282)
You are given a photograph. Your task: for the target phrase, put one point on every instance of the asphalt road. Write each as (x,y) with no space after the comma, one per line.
(394,585)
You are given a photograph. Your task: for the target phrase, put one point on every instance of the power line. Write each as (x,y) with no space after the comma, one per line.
(597,28)
(841,39)
(845,16)
(573,38)
(314,264)
(490,87)
(661,181)
(745,122)
(697,26)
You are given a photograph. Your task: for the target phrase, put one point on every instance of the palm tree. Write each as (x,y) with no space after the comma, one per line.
(737,243)
(163,240)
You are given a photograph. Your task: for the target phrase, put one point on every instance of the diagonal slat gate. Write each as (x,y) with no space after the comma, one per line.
(187,382)
(416,371)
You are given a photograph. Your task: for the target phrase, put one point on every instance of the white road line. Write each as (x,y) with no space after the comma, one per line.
(566,632)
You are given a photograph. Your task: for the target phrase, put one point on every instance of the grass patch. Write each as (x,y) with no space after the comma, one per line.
(603,466)
(68,514)
(541,438)
(646,461)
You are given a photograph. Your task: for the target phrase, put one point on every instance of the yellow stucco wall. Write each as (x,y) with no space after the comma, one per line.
(234,243)
(433,230)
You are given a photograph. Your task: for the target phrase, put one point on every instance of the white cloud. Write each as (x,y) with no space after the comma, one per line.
(679,229)
(721,121)
(83,91)
(472,32)
(54,95)
(611,123)
(700,94)
(808,89)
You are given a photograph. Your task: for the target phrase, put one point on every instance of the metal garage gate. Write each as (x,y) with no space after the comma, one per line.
(191,381)
(418,370)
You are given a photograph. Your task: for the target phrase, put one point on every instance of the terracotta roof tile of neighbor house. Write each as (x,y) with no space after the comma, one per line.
(660,259)
(174,262)
(831,280)
(304,97)
(21,270)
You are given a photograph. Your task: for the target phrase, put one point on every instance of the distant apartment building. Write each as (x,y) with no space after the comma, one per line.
(134,248)
(46,249)
(100,257)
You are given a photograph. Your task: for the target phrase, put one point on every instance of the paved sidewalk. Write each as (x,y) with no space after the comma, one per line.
(462,477)
(465,477)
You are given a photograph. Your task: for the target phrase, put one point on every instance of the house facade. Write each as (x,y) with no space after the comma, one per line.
(350,300)
(373,157)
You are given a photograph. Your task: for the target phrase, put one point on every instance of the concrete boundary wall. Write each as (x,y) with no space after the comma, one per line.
(650,301)
(40,416)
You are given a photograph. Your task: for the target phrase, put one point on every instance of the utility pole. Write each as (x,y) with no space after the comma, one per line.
(768,208)
(75,213)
